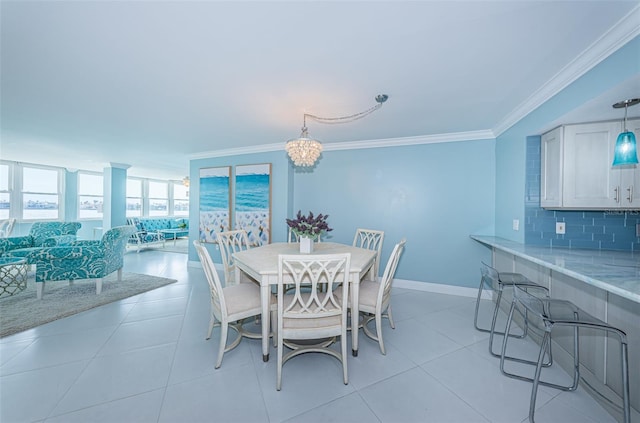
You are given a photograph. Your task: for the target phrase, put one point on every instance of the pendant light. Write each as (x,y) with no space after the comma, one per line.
(625,152)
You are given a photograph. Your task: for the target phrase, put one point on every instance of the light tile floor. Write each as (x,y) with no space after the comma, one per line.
(145,359)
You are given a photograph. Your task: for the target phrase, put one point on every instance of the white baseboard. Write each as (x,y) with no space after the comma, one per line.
(438,288)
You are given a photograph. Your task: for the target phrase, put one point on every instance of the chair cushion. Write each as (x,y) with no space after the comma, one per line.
(242,298)
(368,293)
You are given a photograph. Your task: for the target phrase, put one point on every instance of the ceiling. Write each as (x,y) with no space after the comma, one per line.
(152,84)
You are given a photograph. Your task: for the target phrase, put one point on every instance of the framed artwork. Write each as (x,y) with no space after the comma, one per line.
(253,202)
(215,202)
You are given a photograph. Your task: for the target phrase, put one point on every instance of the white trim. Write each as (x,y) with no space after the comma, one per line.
(617,36)
(439,288)
(354,145)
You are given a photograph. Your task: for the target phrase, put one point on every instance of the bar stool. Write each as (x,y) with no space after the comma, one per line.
(497,281)
(546,313)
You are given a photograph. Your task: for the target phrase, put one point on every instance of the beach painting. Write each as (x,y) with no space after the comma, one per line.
(253,202)
(215,202)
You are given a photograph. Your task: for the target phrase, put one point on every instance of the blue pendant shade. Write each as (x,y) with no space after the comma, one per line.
(625,152)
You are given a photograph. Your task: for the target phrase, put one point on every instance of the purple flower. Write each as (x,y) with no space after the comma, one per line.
(309,226)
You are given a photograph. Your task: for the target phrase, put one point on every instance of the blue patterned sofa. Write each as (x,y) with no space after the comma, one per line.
(155,230)
(83,259)
(41,234)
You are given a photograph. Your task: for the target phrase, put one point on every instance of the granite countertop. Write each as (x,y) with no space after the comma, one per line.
(617,272)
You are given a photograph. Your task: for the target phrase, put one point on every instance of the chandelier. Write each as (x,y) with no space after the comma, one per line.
(305,151)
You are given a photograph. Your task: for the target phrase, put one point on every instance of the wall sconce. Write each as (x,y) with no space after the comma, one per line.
(625,152)
(185,181)
(304,151)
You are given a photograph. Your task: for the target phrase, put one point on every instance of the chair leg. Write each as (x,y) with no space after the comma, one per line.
(98,286)
(39,289)
(475,317)
(120,275)
(379,333)
(343,345)
(624,358)
(536,378)
(212,323)
(279,361)
(390,317)
(224,328)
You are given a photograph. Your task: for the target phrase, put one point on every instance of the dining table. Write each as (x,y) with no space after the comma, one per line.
(261,264)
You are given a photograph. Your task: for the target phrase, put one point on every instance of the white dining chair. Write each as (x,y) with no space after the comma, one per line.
(370,239)
(309,313)
(229,305)
(231,242)
(374,298)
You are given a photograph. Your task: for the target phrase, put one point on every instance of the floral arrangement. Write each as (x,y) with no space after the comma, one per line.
(309,226)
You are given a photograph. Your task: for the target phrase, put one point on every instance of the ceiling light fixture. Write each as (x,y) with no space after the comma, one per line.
(304,151)
(625,152)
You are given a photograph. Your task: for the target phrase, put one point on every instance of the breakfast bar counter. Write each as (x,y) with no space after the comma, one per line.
(617,272)
(604,283)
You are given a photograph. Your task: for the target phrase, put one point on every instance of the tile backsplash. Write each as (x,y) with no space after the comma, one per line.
(594,230)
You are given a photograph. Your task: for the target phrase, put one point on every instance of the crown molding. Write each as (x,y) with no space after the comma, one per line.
(355,145)
(617,36)
(405,141)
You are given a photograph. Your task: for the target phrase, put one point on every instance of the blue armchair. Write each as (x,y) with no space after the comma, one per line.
(83,259)
(41,234)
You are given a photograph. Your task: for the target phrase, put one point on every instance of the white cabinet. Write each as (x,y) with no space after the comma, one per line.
(551,175)
(576,171)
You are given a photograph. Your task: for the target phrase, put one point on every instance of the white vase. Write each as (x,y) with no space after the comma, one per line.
(306,245)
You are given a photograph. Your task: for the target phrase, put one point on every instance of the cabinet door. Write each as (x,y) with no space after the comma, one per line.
(630,175)
(551,169)
(589,180)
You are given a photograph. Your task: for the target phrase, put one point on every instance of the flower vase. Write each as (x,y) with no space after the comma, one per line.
(306,245)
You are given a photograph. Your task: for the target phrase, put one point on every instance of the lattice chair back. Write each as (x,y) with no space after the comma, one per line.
(215,287)
(309,312)
(231,242)
(389,272)
(370,239)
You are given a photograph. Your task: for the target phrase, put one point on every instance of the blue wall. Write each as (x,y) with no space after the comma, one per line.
(435,195)
(511,146)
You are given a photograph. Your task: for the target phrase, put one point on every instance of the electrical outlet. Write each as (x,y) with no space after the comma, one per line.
(516,225)
(560,228)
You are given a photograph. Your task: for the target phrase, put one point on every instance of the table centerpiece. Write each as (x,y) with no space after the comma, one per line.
(308,228)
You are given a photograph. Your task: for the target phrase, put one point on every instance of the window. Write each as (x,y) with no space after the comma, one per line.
(180,199)
(158,198)
(90,196)
(5,192)
(134,197)
(41,193)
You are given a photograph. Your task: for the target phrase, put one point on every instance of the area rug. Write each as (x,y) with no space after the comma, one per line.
(24,311)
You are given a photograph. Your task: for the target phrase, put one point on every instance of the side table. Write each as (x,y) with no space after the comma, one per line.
(13,275)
